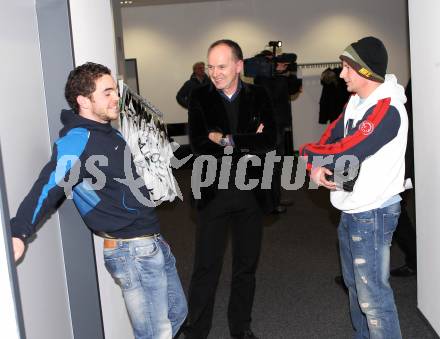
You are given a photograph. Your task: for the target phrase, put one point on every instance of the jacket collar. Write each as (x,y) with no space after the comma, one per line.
(235,95)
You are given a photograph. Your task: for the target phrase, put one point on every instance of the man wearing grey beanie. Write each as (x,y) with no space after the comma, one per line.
(364,171)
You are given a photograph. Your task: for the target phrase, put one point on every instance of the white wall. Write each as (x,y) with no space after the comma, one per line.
(9,317)
(94,40)
(24,137)
(425,70)
(167,39)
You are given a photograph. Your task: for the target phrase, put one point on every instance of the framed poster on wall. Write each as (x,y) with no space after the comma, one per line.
(131,74)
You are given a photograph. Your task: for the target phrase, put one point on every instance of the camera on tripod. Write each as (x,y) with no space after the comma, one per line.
(265,63)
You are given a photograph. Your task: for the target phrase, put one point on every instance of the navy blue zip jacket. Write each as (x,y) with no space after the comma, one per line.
(89,156)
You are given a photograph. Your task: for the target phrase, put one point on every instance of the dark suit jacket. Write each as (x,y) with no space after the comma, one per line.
(280,88)
(184,92)
(207,114)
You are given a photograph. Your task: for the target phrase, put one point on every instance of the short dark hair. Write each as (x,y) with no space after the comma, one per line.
(198,63)
(266,53)
(81,81)
(236,49)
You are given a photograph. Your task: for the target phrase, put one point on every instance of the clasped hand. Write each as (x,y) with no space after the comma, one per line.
(217,136)
(318,177)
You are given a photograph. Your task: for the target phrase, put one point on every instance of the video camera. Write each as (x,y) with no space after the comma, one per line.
(264,63)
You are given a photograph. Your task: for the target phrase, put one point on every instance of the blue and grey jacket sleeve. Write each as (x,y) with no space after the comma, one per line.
(54,181)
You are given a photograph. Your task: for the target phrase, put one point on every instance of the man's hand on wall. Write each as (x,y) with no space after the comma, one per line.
(19,247)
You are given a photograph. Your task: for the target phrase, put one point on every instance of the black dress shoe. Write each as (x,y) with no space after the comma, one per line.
(279,210)
(286,202)
(245,335)
(403,271)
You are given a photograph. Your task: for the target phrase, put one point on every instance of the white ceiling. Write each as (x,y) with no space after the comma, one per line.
(162,2)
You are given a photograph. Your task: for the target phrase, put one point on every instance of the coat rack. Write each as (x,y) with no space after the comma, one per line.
(143,129)
(331,64)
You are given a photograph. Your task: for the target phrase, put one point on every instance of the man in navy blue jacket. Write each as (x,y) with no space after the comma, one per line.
(198,79)
(92,164)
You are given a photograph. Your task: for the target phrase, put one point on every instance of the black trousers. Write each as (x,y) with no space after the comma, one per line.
(405,233)
(277,170)
(235,212)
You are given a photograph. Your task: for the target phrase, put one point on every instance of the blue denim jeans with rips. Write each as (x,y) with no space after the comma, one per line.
(146,272)
(364,243)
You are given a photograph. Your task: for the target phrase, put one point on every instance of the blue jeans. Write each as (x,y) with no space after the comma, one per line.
(364,243)
(146,272)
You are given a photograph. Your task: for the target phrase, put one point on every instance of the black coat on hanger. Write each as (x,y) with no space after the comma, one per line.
(334,95)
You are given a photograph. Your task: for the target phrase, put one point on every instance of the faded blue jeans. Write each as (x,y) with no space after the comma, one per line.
(364,243)
(146,272)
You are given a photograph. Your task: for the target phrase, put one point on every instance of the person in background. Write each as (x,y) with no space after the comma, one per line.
(198,78)
(405,234)
(135,254)
(372,134)
(334,95)
(280,87)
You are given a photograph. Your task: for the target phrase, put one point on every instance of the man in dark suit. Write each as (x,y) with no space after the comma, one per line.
(405,234)
(198,78)
(233,118)
(281,85)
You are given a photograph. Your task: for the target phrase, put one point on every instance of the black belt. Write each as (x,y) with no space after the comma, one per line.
(140,237)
